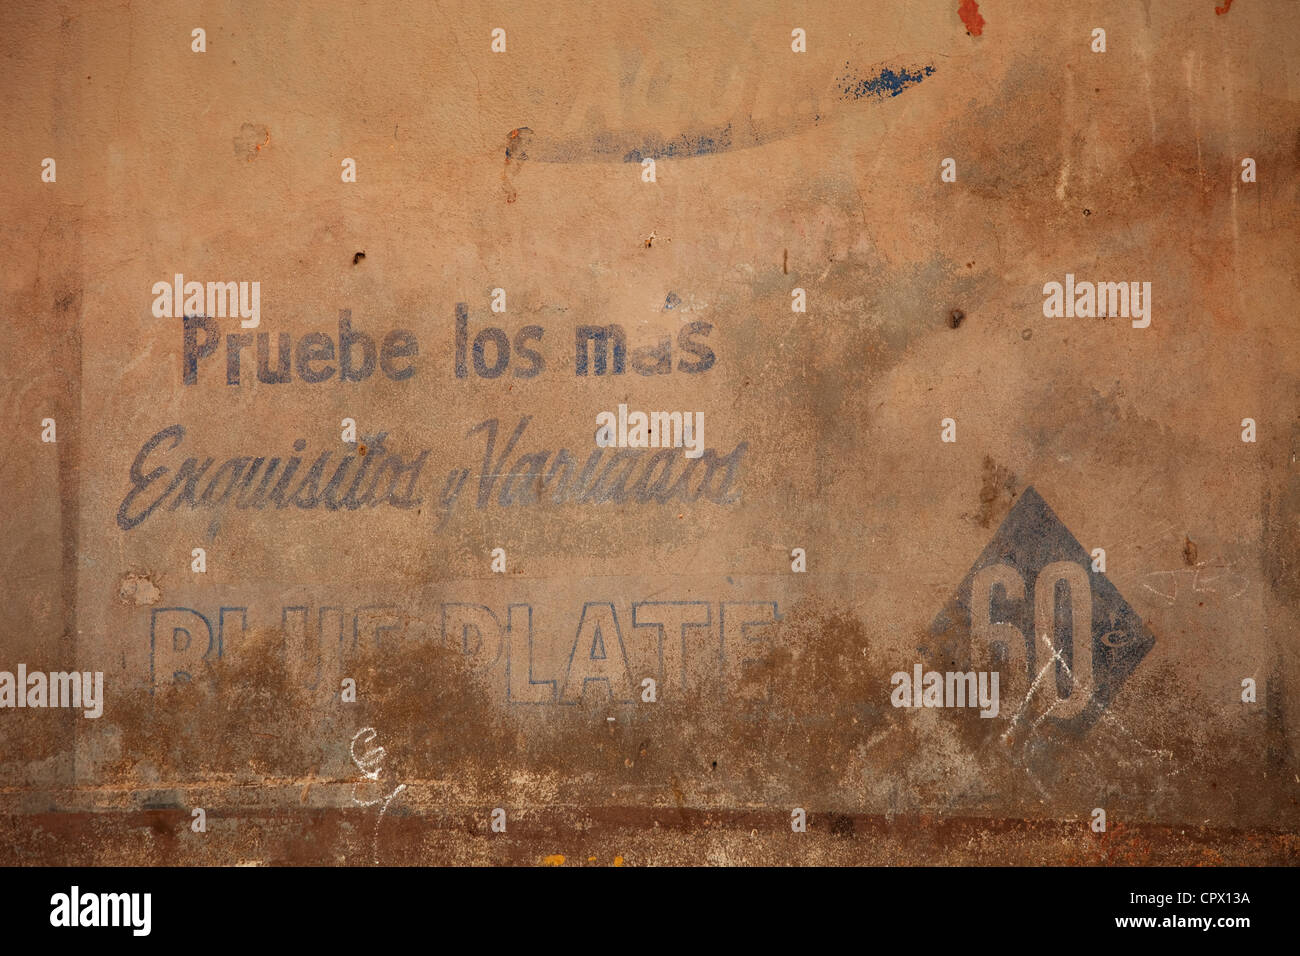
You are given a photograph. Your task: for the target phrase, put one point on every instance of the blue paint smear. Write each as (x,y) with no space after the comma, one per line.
(634,147)
(703,143)
(885,83)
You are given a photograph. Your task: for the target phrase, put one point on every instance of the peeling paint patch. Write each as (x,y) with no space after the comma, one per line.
(997,493)
(252,139)
(138,588)
(516,152)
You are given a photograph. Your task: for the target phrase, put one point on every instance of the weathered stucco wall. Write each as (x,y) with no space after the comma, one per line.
(775,170)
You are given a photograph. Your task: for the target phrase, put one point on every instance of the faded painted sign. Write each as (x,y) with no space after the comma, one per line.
(715,433)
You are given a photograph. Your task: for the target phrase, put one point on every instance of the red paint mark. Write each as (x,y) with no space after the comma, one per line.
(969,11)
(1227,5)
